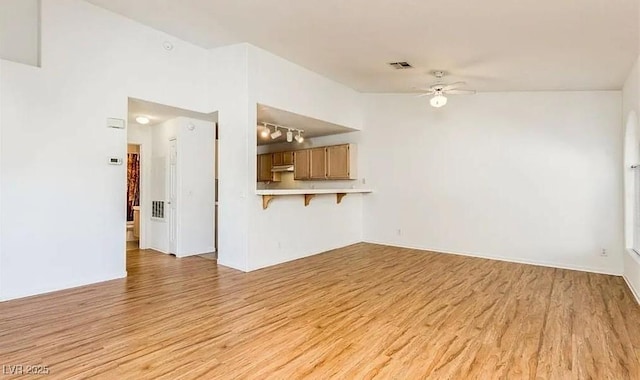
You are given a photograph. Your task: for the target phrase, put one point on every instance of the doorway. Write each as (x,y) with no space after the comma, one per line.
(133,197)
(177,188)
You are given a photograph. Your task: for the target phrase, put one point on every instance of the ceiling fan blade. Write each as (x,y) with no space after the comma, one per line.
(425,94)
(451,86)
(460,92)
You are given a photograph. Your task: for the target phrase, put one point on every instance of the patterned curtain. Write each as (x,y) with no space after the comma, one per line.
(133,183)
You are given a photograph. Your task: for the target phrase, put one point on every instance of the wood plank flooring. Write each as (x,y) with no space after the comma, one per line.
(360,312)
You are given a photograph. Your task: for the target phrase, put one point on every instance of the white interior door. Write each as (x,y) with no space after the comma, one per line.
(173,189)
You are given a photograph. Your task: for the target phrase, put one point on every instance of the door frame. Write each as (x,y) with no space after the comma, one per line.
(172,216)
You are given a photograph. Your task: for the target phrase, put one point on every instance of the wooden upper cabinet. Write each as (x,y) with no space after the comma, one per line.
(301,164)
(265,163)
(287,158)
(317,163)
(336,162)
(277,159)
(282,158)
(341,162)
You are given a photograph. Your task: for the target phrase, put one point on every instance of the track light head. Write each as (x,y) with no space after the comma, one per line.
(289,136)
(276,134)
(299,137)
(265,131)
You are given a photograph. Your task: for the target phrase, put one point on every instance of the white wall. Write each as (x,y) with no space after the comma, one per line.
(20,31)
(631,109)
(229,92)
(196,187)
(2,120)
(526,177)
(63,213)
(287,230)
(281,84)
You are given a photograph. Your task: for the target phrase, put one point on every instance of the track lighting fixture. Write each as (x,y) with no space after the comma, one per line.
(276,134)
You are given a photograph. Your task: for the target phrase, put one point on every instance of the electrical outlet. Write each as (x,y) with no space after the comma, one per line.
(364,181)
(604,253)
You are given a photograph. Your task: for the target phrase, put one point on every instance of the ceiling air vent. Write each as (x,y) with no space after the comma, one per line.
(400,65)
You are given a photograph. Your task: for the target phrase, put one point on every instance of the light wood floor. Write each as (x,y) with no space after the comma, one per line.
(359,312)
(132,245)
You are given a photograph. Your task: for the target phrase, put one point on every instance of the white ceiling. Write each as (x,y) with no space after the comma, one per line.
(495,45)
(159,113)
(311,127)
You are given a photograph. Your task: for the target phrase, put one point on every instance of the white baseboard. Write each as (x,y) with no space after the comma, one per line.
(634,291)
(194,254)
(157,250)
(69,285)
(507,259)
(298,257)
(231,266)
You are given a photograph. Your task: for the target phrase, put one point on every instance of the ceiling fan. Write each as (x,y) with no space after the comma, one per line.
(439,90)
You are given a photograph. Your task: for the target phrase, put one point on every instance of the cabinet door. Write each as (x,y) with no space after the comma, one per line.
(258,167)
(287,158)
(317,163)
(278,159)
(301,164)
(265,163)
(338,162)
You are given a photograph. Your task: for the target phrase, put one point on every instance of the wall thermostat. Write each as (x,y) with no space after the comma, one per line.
(115,161)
